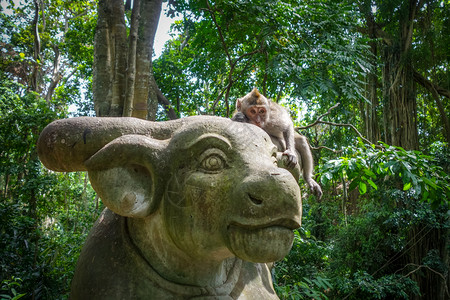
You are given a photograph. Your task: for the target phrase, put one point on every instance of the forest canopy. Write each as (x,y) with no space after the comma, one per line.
(367,82)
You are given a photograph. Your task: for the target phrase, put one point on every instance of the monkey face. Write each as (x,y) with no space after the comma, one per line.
(257,115)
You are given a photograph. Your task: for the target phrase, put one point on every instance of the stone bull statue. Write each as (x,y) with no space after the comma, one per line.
(196,207)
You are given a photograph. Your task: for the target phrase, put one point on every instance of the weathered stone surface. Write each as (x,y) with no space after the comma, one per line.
(196,207)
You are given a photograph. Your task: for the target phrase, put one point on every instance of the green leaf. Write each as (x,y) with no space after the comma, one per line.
(429,182)
(372,184)
(369,173)
(326,177)
(362,188)
(18,296)
(407,186)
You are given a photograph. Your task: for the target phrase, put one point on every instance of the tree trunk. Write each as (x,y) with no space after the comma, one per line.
(400,129)
(436,92)
(370,112)
(119,52)
(131,71)
(424,241)
(102,69)
(145,101)
(35,78)
(56,76)
(400,105)
(123,82)
(399,93)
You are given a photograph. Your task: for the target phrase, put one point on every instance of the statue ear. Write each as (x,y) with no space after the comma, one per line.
(128,174)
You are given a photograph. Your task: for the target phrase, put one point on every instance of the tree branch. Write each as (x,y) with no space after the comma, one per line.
(231,63)
(326,148)
(319,121)
(354,129)
(418,267)
(231,80)
(66,79)
(56,77)
(166,104)
(435,92)
(37,47)
(246,54)
(218,97)
(219,30)
(379,33)
(430,85)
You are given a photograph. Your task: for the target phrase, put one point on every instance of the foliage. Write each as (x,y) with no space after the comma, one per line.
(310,254)
(296,275)
(291,50)
(411,171)
(306,289)
(9,289)
(44,216)
(364,286)
(42,222)
(379,206)
(177,81)
(366,233)
(66,33)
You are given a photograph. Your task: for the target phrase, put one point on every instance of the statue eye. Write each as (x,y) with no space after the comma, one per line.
(212,161)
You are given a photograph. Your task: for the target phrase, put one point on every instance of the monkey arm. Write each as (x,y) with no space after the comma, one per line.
(302,146)
(288,135)
(307,162)
(240,117)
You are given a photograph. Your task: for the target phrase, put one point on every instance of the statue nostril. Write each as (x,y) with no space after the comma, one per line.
(255,200)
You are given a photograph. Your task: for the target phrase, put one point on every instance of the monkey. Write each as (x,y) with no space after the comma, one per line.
(256,109)
(272,118)
(307,164)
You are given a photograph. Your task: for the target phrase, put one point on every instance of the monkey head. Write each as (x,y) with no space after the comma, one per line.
(255,106)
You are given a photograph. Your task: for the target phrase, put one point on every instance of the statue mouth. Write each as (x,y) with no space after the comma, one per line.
(285,223)
(267,242)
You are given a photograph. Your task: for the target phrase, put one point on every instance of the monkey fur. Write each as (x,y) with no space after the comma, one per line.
(256,109)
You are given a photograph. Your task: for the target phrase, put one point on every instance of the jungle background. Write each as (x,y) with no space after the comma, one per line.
(367,81)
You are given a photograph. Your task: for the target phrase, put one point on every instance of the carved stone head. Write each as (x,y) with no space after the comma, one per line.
(196,202)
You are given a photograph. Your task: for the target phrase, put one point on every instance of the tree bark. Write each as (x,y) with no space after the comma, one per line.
(436,91)
(370,112)
(102,69)
(171,114)
(399,94)
(400,107)
(145,100)
(131,71)
(56,76)
(119,51)
(35,76)
(422,241)
(123,83)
